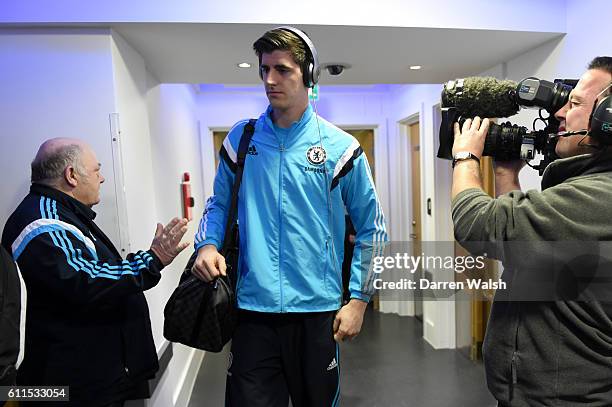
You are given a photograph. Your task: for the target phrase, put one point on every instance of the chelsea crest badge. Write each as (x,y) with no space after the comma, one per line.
(316,155)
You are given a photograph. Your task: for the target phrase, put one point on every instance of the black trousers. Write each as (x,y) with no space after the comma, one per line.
(277,356)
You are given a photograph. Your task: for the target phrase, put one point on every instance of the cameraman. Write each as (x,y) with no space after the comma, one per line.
(553,352)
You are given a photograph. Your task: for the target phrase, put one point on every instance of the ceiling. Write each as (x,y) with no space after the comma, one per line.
(208,53)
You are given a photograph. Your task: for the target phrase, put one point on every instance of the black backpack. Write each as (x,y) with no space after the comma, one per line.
(10,314)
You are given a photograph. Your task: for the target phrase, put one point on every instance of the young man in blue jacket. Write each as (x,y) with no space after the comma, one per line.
(300,174)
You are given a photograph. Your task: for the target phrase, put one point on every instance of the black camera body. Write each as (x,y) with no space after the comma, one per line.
(488,97)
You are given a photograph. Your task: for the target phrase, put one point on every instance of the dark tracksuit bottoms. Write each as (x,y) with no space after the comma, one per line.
(277,356)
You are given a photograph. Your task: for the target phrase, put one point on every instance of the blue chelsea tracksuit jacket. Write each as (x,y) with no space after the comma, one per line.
(292,216)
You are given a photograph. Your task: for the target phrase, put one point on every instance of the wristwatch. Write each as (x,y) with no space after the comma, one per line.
(464,155)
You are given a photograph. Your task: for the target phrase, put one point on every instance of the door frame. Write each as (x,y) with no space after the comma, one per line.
(405,169)
(402,233)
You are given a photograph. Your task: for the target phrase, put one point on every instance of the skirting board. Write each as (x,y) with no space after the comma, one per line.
(163,355)
(188,380)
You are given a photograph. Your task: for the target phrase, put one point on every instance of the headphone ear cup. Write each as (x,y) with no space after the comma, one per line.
(311,68)
(308,77)
(600,122)
(316,72)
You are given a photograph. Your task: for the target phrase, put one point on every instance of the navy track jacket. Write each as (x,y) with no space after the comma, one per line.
(87,323)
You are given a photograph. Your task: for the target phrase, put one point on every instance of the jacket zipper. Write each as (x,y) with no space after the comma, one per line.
(513,368)
(327,259)
(280,223)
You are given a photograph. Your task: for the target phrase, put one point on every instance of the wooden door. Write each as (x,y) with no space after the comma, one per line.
(416,222)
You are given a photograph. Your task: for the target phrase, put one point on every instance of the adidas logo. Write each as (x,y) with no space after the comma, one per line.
(332,365)
(252,150)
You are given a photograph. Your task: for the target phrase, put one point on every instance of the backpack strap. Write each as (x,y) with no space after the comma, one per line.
(245,140)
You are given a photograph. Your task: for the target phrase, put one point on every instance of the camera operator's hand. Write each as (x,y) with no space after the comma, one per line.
(209,264)
(471,137)
(506,175)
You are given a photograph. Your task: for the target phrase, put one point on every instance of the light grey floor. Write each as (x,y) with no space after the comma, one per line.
(388,365)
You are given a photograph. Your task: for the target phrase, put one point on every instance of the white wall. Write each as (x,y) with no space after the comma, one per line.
(519,15)
(587,37)
(160,135)
(67,82)
(410,103)
(219,108)
(130,98)
(55,83)
(174,139)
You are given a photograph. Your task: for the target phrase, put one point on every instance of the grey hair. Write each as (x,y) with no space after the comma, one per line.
(49,168)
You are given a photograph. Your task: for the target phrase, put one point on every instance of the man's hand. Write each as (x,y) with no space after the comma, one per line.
(347,324)
(167,241)
(472,136)
(209,264)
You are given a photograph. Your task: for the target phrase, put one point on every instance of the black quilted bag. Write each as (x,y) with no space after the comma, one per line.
(203,315)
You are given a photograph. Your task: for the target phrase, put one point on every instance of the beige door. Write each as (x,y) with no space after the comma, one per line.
(366,140)
(365,137)
(415,222)
(218,137)
(472,312)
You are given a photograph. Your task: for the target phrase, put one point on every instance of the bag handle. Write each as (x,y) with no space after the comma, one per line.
(243,147)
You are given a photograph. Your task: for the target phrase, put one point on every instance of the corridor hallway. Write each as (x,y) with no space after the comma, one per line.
(388,365)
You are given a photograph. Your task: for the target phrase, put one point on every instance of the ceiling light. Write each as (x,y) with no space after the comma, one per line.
(244,65)
(415,67)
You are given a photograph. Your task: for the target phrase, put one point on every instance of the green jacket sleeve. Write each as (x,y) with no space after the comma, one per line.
(566,212)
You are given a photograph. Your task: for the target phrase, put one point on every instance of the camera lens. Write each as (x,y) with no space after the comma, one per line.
(503,142)
(560,96)
(551,96)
